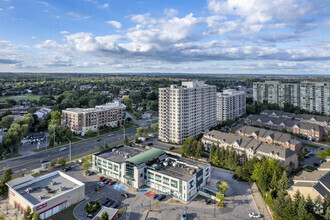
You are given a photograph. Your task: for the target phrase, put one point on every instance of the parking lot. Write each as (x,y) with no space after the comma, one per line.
(238,202)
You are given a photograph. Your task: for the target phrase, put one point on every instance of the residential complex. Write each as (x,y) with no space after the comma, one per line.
(186,111)
(305,129)
(315,97)
(277,92)
(271,137)
(46,195)
(314,184)
(311,96)
(250,147)
(81,120)
(231,104)
(180,177)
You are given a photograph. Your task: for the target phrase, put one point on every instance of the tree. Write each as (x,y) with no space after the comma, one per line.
(154,127)
(27,214)
(36,216)
(301,209)
(6,122)
(273,182)
(289,211)
(104,216)
(296,199)
(199,150)
(188,146)
(327,214)
(223,187)
(28,119)
(89,133)
(61,161)
(140,131)
(126,141)
(55,117)
(52,164)
(309,204)
(128,102)
(7,175)
(283,183)
(221,197)
(280,204)
(13,137)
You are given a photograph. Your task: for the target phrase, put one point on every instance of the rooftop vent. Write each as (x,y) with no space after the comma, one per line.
(52,183)
(165,164)
(62,188)
(28,190)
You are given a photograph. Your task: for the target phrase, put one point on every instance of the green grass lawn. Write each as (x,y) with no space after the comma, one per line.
(31,97)
(179,151)
(311,145)
(311,168)
(66,214)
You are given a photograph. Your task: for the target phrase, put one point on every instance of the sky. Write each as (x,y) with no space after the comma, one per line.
(172,36)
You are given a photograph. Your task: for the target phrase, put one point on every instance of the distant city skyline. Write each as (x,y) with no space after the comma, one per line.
(211,36)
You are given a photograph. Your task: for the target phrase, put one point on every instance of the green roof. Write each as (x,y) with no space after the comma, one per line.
(145,156)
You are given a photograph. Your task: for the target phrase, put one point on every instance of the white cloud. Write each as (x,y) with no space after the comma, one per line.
(106,5)
(11,7)
(33,37)
(170,12)
(116,24)
(1,9)
(64,32)
(79,15)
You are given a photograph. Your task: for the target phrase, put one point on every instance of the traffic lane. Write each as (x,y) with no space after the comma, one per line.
(33,161)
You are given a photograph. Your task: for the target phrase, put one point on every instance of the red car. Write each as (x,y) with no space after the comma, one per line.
(112,182)
(101,178)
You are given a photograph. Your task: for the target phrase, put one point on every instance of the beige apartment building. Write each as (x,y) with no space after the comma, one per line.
(231,104)
(277,92)
(315,97)
(81,120)
(186,111)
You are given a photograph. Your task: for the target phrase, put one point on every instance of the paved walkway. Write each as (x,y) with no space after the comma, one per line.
(9,212)
(79,212)
(263,209)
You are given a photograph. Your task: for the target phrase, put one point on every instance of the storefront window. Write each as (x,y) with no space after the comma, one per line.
(174,183)
(151,176)
(158,178)
(166,181)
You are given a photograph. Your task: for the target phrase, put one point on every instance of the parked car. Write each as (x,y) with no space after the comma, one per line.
(114,205)
(125,195)
(150,144)
(105,201)
(63,149)
(155,196)
(316,164)
(254,215)
(101,178)
(110,135)
(90,173)
(43,161)
(184,215)
(207,201)
(107,181)
(65,169)
(109,203)
(100,184)
(161,197)
(90,215)
(112,182)
(98,140)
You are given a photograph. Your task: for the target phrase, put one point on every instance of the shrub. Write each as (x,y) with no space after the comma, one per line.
(87,172)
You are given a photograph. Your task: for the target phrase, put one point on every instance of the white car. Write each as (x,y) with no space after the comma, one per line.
(100,184)
(254,215)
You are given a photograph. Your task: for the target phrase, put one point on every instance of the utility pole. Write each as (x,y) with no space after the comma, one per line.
(214,211)
(69,149)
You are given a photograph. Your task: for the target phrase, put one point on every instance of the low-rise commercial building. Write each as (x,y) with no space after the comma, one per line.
(271,137)
(46,195)
(81,120)
(250,147)
(182,178)
(231,104)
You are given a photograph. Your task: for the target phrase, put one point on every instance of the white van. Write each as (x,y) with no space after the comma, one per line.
(63,148)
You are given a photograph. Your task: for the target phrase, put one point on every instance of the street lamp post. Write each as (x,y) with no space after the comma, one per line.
(69,149)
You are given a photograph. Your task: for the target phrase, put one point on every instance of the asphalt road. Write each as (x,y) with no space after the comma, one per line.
(30,162)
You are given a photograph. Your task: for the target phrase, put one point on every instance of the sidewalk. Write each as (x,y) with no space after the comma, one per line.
(8,212)
(263,209)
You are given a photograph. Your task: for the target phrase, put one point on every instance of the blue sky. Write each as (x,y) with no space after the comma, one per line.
(195,36)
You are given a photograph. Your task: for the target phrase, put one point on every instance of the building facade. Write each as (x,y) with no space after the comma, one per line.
(46,195)
(250,147)
(179,177)
(231,104)
(311,96)
(81,120)
(277,92)
(315,97)
(186,111)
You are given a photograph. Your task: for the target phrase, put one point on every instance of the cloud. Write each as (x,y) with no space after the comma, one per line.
(116,24)
(1,9)
(64,32)
(8,61)
(106,5)
(11,7)
(170,12)
(79,15)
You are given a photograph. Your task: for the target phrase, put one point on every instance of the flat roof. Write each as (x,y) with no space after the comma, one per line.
(43,188)
(179,168)
(111,212)
(119,154)
(145,156)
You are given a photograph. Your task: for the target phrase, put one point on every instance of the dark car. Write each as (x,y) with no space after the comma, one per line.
(316,164)
(114,205)
(207,201)
(91,173)
(125,195)
(150,144)
(155,196)
(104,180)
(105,201)
(109,203)
(43,161)
(65,169)
(98,140)
(107,181)
(161,197)
(90,215)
